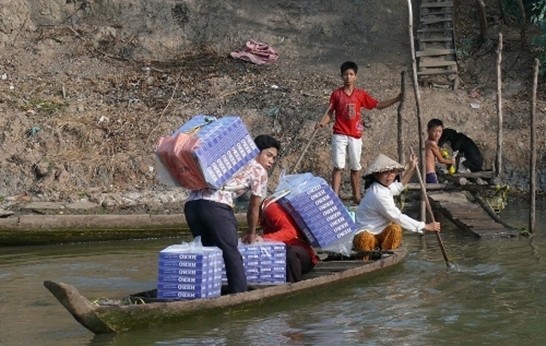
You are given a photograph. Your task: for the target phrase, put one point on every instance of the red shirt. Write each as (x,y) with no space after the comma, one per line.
(278,225)
(348,120)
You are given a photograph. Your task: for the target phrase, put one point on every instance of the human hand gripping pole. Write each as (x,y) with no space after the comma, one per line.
(317,127)
(429,209)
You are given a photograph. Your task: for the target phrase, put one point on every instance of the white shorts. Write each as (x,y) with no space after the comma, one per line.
(341,145)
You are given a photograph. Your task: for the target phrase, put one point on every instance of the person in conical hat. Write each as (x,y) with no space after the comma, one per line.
(383,163)
(379,220)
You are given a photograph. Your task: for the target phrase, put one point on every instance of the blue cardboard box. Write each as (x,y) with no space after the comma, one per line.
(319,212)
(223,146)
(189,272)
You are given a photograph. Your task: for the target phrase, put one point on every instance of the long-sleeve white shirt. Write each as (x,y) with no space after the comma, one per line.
(377,210)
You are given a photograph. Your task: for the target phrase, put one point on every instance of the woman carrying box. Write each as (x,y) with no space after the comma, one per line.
(209,212)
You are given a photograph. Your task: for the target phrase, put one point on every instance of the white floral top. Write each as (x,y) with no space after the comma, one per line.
(252,176)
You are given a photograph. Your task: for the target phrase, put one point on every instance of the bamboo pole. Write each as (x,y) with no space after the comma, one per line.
(294,169)
(399,117)
(429,208)
(417,96)
(532,176)
(498,163)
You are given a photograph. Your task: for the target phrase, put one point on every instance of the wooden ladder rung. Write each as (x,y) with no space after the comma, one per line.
(437,63)
(430,21)
(436,4)
(436,72)
(435,39)
(434,52)
(437,11)
(434,30)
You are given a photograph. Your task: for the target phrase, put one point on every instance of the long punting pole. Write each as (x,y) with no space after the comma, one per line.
(429,208)
(295,168)
(532,175)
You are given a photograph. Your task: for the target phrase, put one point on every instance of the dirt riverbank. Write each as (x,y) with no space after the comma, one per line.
(87,88)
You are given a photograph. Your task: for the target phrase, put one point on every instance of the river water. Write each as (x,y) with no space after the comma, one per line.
(493,295)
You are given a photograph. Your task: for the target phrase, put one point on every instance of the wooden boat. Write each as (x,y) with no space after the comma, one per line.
(142,310)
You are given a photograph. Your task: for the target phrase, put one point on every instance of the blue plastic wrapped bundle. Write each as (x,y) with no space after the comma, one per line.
(264,262)
(205,152)
(318,211)
(189,271)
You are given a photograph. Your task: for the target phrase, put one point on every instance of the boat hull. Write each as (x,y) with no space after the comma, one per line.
(116,318)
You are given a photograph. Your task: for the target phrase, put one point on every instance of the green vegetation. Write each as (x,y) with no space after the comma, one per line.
(465,49)
(511,11)
(524,232)
(538,15)
(536,12)
(46,106)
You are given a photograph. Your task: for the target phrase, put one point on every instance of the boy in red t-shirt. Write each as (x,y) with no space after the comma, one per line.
(346,103)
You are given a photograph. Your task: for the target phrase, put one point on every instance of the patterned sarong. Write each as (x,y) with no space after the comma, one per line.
(389,239)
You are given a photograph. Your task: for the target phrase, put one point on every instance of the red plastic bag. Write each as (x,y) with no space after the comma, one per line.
(175,154)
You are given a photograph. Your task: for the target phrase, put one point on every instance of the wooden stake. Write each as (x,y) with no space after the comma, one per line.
(498,166)
(399,117)
(532,177)
(417,95)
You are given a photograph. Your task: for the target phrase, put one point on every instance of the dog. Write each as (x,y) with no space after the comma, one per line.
(473,159)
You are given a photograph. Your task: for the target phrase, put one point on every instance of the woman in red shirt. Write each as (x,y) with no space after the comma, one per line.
(278,225)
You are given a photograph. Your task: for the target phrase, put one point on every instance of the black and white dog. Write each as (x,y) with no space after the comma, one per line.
(473,159)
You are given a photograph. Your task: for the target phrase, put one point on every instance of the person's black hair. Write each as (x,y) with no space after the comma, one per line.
(265,142)
(434,123)
(370,179)
(348,65)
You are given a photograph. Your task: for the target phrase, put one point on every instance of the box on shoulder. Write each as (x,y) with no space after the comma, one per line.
(205,152)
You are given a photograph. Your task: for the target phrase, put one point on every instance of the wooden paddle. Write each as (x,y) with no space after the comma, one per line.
(309,143)
(429,209)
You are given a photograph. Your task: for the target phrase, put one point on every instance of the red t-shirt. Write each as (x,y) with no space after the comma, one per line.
(278,225)
(348,120)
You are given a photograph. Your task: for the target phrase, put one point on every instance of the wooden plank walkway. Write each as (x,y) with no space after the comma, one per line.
(473,216)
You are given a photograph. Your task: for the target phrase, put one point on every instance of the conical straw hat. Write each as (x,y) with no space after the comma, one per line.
(383,163)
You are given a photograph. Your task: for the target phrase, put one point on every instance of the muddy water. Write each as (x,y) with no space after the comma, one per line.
(494,295)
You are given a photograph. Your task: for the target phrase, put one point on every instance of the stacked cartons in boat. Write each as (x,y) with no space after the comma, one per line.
(264,262)
(186,272)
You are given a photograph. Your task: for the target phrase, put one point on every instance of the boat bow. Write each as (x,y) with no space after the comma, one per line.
(80,307)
